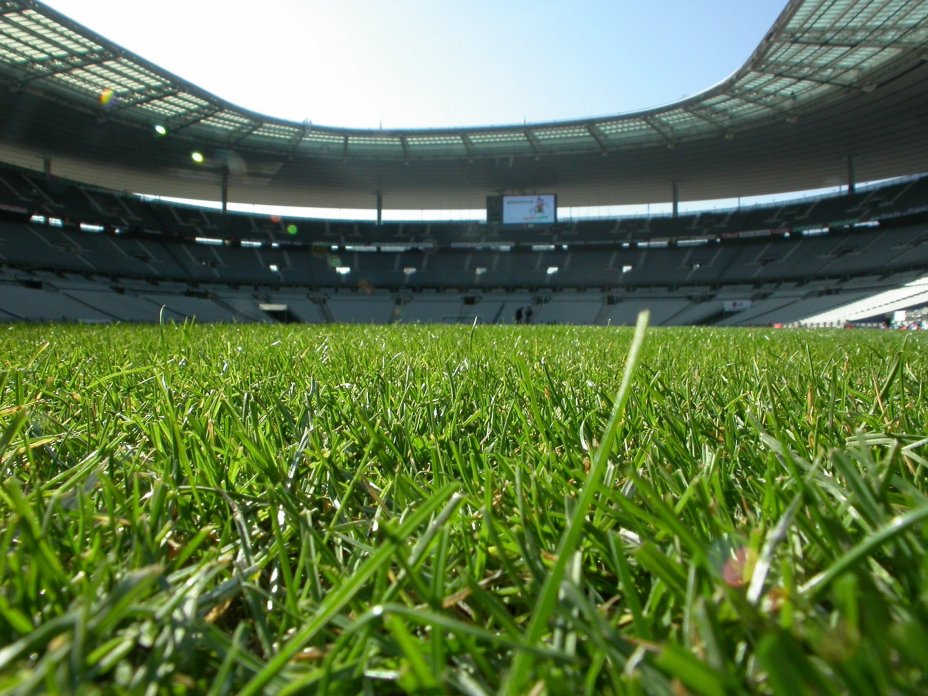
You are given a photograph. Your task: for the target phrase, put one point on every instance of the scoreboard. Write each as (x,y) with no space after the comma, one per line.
(527,209)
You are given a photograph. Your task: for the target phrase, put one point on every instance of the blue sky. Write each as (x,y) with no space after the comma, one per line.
(438,63)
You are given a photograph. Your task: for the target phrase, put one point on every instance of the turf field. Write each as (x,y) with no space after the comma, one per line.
(462,510)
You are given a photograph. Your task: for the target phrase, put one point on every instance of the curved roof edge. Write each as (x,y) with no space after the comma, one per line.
(816,50)
(836,92)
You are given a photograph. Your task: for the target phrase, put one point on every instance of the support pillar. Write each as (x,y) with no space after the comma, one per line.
(225,190)
(851,176)
(379,207)
(676,197)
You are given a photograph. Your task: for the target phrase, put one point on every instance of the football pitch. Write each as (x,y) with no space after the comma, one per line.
(474,510)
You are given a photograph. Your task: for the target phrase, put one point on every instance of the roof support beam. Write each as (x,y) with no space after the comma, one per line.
(42,69)
(192,117)
(863,31)
(294,142)
(751,99)
(41,37)
(144,96)
(534,142)
(662,129)
(809,75)
(26,60)
(704,114)
(851,44)
(239,135)
(468,145)
(598,136)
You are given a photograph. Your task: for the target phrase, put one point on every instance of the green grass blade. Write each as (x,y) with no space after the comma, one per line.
(519,675)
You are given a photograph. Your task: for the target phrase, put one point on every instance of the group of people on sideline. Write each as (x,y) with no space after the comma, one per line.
(524,315)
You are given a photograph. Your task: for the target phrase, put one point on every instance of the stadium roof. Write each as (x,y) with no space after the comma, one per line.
(836,90)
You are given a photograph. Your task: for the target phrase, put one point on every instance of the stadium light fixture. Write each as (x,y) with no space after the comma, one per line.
(197,157)
(160,130)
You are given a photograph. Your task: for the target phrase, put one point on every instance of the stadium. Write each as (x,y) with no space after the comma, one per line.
(802,113)
(198,499)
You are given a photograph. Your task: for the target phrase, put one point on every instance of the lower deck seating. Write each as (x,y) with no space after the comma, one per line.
(84,300)
(46,304)
(61,273)
(362,309)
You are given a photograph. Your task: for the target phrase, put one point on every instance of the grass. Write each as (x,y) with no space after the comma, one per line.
(219,509)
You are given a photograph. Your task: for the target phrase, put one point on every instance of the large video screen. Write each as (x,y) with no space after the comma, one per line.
(537,209)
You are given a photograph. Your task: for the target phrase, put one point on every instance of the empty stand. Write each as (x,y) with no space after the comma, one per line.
(83,254)
(47,304)
(361,309)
